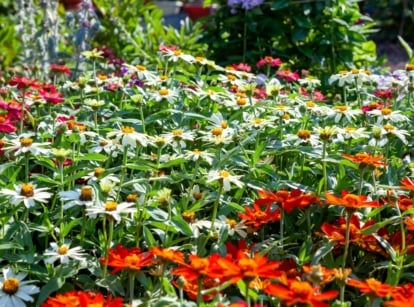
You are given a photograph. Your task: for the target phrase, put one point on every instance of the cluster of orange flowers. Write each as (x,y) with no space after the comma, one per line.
(264,211)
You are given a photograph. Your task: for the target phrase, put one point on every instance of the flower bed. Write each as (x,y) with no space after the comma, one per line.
(195,184)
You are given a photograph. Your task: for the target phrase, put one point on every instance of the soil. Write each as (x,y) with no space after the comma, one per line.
(395,54)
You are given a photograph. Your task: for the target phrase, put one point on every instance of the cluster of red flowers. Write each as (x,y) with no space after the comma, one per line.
(82,299)
(264,210)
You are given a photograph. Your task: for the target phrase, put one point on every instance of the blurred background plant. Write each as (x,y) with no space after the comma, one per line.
(325,36)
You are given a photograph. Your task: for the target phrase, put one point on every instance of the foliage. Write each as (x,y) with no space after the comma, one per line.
(324,35)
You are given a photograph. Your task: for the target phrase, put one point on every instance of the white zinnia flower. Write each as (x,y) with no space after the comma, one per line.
(128,136)
(24,144)
(14,292)
(84,196)
(27,193)
(111,209)
(63,253)
(225,178)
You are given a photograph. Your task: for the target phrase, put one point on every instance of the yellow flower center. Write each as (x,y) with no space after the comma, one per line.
(310,104)
(163,92)
(241,101)
(388,127)
(62,250)
(177,132)
(248,265)
(386,111)
(349,129)
(301,289)
(200,58)
(11,285)
(27,190)
(163,78)
(103,143)
(189,216)
(355,71)
(232,223)
(304,134)
(341,108)
(343,72)
(352,199)
(26,142)
(216,131)
(141,67)
(224,174)
(409,67)
(131,198)
(127,129)
(286,116)
(224,125)
(99,171)
(110,206)
(177,52)
(86,194)
(231,77)
(258,121)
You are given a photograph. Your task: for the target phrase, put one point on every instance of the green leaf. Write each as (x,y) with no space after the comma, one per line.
(182,225)
(92,157)
(149,238)
(52,286)
(10,246)
(277,5)
(407,49)
(322,252)
(384,243)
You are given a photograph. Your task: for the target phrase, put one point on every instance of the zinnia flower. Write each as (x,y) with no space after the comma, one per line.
(28,194)
(300,293)
(365,159)
(351,201)
(82,298)
(14,292)
(122,258)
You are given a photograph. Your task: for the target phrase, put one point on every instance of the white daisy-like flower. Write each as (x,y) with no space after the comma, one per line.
(96,176)
(127,136)
(179,136)
(197,155)
(344,112)
(348,133)
(175,55)
(84,196)
(111,209)
(233,227)
(302,138)
(225,178)
(390,130)
(315,109)
(386,114)
(169,94)
(141,71)
(28,194)
(24,144)
(14,291)
(63,253)
(108,146)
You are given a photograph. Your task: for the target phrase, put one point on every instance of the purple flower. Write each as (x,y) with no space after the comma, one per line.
(245,4)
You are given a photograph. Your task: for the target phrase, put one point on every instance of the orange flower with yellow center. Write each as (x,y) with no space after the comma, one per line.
(366,159)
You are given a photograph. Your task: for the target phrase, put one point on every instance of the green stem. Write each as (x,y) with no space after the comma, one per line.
(347,233)
(131,287)
(108,245)
(215,207)
(123,171)
(325,174)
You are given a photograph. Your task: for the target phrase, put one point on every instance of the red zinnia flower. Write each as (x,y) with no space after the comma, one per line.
(121,258)
(407,184)
(82,299)
(270,61)
(300,292)
(259,215)
(288,75)
(62,69)
(6,125)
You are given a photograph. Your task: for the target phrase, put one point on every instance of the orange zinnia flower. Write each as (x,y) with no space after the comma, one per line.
(407,184)
(371,287)
(191,288)
(402,296)
(365,159)
(168,254)
(300,292)
(258,216)
(246,268)
(287,200)
(82,299)
(198,267)
(350,201)
(121,258)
